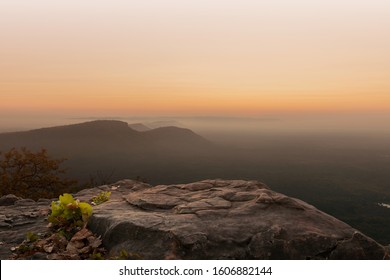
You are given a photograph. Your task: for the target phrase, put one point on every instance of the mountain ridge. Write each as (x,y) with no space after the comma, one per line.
(103,145)
(98,128)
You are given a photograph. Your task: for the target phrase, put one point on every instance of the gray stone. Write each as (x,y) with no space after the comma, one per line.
(18,219)
(25,202)
(211,219)
(8,199)
(221,219)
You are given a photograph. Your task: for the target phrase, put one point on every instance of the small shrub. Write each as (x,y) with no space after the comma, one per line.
(101,198)
(68,232)
(68,212)
(31,237)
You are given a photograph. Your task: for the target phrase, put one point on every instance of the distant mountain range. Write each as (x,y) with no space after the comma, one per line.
(139,127)
(116,135)
(110,146)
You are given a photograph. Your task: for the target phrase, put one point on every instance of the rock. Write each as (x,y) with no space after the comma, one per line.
(220,219)
(25,202)
(38,256)
(17,219)
(8,199)
(387,250)
(211,219)
(81,242)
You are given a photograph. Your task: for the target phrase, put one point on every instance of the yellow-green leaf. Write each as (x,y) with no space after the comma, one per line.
(86,209)
(66,199)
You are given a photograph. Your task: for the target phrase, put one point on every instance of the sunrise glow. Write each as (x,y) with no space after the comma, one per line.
(193,57)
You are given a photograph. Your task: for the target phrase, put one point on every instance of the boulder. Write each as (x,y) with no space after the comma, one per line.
(220,219)
(8,199)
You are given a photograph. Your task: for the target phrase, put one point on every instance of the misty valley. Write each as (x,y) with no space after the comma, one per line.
(343,173)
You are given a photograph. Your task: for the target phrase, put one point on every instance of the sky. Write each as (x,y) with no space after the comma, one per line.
(193,57)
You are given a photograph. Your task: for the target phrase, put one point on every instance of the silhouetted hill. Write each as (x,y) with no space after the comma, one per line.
(116,135)
(74,139)
(139,127)
(112,147)
(166,123)
(175,137)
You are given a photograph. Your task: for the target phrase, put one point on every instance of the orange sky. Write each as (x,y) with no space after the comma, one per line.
(95,57)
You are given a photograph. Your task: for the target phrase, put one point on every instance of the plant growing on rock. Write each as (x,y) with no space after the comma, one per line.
(31,236)
(101,198)
(68,238)
(68,212)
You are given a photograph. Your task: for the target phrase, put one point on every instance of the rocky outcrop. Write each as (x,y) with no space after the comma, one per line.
(18,217)
(218,219)
(211,219)
(8,200)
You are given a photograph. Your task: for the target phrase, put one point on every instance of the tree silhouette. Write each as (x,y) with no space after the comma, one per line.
(32,174)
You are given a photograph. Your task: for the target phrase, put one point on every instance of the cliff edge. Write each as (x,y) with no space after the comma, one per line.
(210,219)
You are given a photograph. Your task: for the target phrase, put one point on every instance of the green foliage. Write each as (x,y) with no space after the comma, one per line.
(101,198)
(68,234)
(68,212)
(31,174)
(68,238)
(31,237)
(26,248)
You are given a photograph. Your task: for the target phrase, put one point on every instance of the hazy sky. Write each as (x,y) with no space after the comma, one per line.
(200,57)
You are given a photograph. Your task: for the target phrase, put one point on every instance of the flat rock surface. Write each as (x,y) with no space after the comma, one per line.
(211,219)
(18,218)
(220,219)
